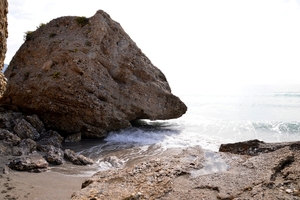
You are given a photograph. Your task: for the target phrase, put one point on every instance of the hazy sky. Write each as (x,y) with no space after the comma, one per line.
(196,43)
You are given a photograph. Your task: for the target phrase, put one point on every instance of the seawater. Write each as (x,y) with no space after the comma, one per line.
(270,113)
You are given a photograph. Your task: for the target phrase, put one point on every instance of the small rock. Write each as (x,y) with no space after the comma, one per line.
(72,157)
(113,161)
(27,146)
(5,170)
(84,160)
(77,159)
(289,191)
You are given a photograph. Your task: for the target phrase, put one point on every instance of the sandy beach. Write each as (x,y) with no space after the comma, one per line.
(38,186)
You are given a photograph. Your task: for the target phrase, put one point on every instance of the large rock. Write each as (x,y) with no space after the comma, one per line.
(33,163)
(86,75)
(77,159)
(256,147)
(3,36)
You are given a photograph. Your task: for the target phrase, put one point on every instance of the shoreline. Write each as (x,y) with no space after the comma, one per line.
(259,170)
(36,186)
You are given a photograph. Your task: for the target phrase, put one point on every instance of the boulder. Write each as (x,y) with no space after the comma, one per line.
(86,75)
(25,130)
(9,137)
(55,156)
(8,119)
(35,121)
(50,138)
(34,163)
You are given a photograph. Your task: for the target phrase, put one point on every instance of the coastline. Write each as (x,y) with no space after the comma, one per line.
(244,170)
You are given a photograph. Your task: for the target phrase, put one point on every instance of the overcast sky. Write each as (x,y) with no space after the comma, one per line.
(196,43)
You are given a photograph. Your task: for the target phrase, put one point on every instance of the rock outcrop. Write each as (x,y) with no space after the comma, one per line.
(24,140)
(270,174)
(86,75)
(3,36)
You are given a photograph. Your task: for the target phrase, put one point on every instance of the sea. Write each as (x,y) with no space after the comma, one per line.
(270,113)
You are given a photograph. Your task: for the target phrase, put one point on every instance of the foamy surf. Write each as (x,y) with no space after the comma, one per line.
(268,114)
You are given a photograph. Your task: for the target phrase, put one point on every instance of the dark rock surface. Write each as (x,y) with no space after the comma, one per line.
(77,159)
(86,75)
(24,130)
(9,137)
(255,147)
(25,153)
(33,163)
(55,155)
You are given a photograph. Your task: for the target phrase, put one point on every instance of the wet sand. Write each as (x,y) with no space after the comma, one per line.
(38,186)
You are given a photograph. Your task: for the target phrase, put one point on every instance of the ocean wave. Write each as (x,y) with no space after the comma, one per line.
(295,95)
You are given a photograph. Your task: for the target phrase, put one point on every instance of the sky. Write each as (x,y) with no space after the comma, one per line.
(197,44)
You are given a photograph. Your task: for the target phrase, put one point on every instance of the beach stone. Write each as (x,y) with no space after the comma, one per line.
(84,160)
(113,161)
(77,159)
(25,147)
(35,121)
(50,138)
(71,156)
(86,75)
(9,137)
(8,119)
(25,130)
(55,155)
(34,163)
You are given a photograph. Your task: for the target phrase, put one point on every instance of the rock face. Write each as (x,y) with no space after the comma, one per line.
(3,36)
(86,75)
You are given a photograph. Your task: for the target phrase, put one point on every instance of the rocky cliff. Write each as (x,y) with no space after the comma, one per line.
(86,75)
(3,36)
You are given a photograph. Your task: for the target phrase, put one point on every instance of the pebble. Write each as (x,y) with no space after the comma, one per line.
(289,191)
